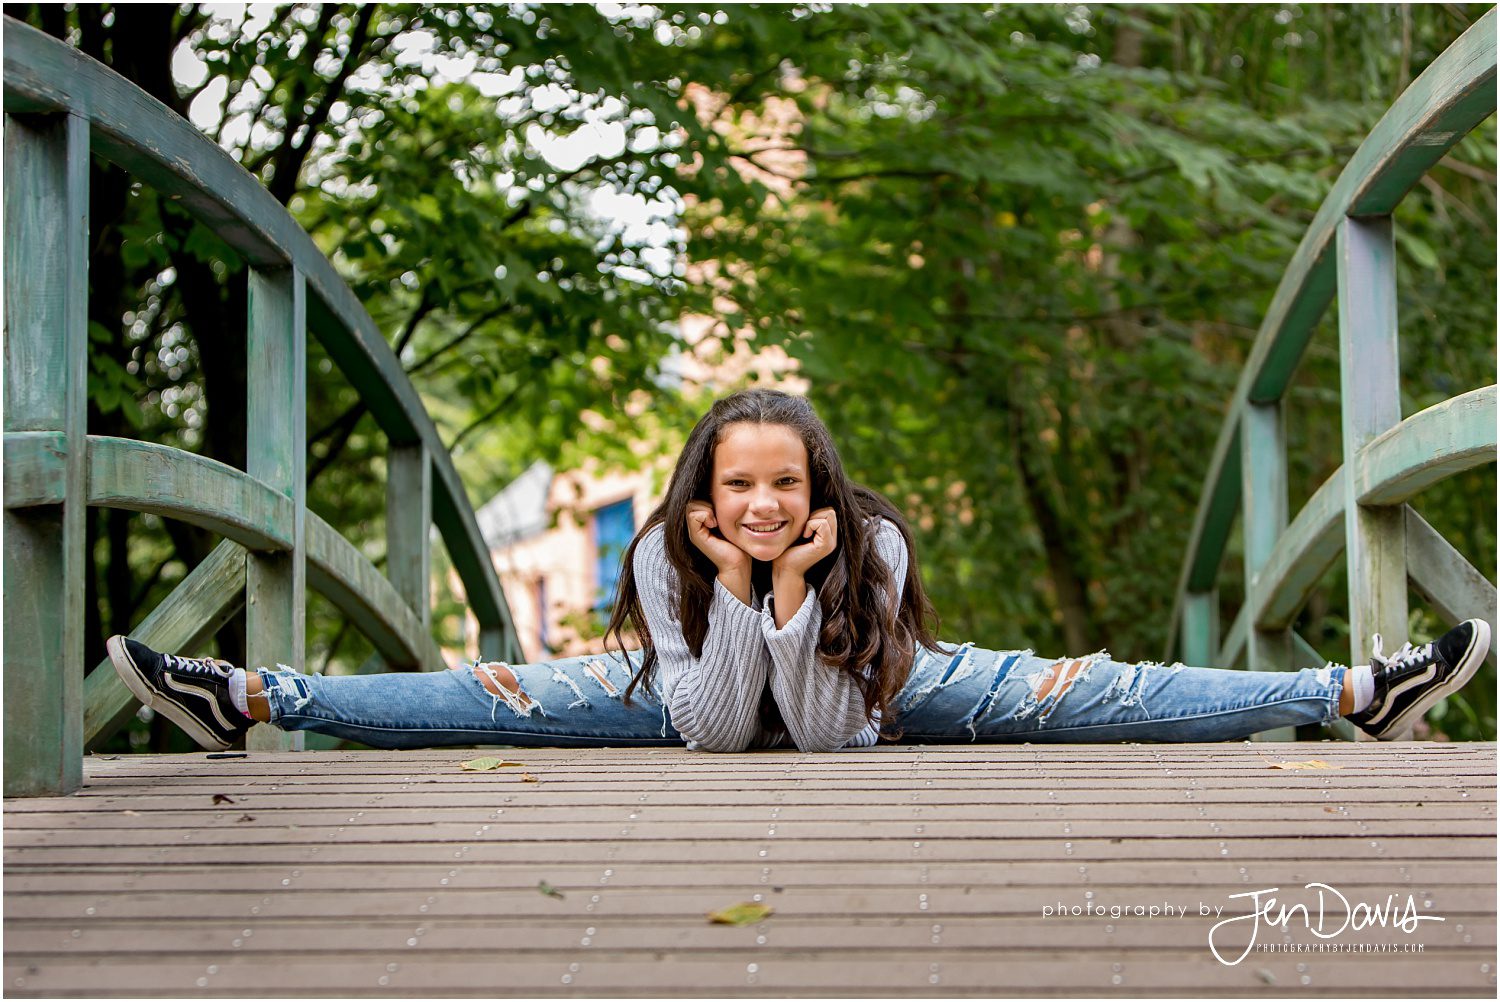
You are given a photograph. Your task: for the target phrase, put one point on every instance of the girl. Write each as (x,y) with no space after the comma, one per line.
(778,603)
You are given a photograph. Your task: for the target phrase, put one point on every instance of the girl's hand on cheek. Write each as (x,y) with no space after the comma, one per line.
(823,528)
(727,557)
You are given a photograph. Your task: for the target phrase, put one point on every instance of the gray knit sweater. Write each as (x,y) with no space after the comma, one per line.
(714,700)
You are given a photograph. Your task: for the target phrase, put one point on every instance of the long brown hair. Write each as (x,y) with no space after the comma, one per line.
(861,630)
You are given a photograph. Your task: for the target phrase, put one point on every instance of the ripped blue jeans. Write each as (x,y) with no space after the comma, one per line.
(966,694)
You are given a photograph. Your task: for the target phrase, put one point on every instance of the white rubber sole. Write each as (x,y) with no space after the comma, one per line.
(1479,646)
(135,681)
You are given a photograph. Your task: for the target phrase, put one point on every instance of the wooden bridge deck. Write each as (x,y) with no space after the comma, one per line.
(892,871)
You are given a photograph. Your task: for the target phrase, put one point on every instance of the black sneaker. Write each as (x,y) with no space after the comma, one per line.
(1411,681)
(193,693)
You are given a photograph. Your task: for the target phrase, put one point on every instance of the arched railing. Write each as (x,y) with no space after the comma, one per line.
(1361,509)
(61,107)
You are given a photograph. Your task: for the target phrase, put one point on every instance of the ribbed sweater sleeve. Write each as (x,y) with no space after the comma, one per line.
(822,707)
(713,699)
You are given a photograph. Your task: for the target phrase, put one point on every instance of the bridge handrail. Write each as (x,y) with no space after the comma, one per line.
(139,133)
(1346,249)
(294,290)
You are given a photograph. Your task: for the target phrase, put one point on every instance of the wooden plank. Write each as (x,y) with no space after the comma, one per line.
(317,872)
(339,571)
(275,810)
(1115,788)
(1449,583)
(276,454)
(202,603)
(142,476)
(46,387)
(36,468)
(274,825)
(408,528)
(1427,448)
(922,970)
(458,901)
(562,791)
(917,971)
(1370,397)
(170,939)
(1408,851)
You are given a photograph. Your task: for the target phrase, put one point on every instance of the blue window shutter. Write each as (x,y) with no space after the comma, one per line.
(614,527)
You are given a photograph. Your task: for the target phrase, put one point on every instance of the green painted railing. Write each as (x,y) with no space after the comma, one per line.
(61,107)
(1360,511)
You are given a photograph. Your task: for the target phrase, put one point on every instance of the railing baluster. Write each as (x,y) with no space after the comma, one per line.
(408,529)
(1200,629)
(1370,394)
(1263,495)
(276,454)
(46,389)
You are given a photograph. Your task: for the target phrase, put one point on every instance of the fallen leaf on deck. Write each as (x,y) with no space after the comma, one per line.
(245,817)
(527,777)
(136,814)
(549,890)
(1265,976)
(223,798)
(485,764)
(1312,763)
(744,913)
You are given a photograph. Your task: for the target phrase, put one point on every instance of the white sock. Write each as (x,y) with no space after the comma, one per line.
(237,691)
(1363,681)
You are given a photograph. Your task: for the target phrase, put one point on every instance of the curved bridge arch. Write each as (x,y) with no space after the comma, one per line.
(62,107)
(1360,510)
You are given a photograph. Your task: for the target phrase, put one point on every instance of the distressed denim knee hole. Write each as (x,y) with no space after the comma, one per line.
(504,689)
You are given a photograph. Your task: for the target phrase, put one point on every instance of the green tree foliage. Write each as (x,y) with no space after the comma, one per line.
(1021,252)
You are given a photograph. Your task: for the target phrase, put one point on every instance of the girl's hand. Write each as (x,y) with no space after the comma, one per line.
(823,527)
(727,557)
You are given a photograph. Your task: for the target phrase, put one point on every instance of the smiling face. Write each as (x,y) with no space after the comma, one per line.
(761,488)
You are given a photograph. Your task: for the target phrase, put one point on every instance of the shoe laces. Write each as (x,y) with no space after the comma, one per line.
(194,666)
(1405,657)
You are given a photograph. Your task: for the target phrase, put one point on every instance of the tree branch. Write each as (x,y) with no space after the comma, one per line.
(292,155)
(871,175)
(1442,197)
(458,339)
(344,426)
(486,417)
(425,305)
(552,356)
(1467,170)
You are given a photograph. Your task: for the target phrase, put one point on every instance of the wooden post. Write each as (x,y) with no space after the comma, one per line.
(408,530)
(276,454)
(46,390)
(1200,629)
(496,645)
(1370,377)
(1263,496)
